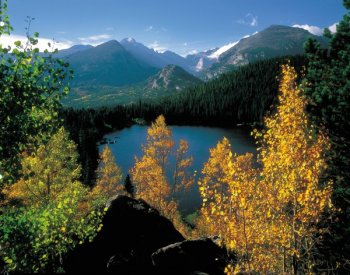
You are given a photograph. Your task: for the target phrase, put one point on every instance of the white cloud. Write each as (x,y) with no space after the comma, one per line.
(189,52)
(249,19)
(94,40)
(312,29)
(157,47)
(254,21)
(316,30)
(333,28)
(9,40)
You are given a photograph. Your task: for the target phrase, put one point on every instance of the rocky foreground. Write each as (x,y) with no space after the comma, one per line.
(136,239)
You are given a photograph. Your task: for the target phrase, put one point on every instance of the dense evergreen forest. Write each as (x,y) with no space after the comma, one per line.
(290,215)
(245,95)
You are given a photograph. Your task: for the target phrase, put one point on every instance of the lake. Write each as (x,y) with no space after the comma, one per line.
(200,139)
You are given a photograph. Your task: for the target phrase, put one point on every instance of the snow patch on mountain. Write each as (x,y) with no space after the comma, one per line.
(200,65)
(221,50)
(225,48)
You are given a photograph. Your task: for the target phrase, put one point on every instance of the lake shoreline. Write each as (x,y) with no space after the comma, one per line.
(126,143)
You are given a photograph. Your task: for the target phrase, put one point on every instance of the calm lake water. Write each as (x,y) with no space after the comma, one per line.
(200,140)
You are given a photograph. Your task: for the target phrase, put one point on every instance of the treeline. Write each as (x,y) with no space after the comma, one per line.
(87,128)
(241,96)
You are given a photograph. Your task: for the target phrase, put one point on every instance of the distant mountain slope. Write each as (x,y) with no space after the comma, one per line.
(244,95)
(172,77)
(200,61)
(156,59)
(141,52)
(108,64)
(175,59)
(272,42)
(72,50)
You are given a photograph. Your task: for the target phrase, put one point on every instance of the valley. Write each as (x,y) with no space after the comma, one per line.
(125,72)
(175,137)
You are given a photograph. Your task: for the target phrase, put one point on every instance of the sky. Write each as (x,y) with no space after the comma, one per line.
(182,26)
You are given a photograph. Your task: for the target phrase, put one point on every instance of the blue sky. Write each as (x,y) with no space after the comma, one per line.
(182,25)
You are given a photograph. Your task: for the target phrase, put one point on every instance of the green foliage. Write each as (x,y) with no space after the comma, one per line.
(327,85)
(56,216)
(35,239)
(38,162)
(31,87)
(48,173)
(244,95)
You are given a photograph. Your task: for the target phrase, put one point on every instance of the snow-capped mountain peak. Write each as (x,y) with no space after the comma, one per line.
(129,40)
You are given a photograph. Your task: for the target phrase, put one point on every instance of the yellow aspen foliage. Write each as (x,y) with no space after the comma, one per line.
(109,176)
(293,159)
(230,202)
(159,142)
(150,181)
(49,173)
(149,173)
(269,215)
(182,179)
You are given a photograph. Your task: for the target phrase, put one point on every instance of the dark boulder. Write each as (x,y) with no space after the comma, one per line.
(132,230)
(136,239)
(201,256)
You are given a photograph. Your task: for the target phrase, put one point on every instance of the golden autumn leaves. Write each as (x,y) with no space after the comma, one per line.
(268,213)
(265,211)
(149,173)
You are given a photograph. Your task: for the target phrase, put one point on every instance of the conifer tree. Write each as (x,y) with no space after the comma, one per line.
(327,86)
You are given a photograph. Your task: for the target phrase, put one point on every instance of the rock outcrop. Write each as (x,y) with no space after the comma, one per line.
(190,257)
(136,239)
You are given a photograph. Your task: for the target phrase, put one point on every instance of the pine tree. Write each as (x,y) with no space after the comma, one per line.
(327,86)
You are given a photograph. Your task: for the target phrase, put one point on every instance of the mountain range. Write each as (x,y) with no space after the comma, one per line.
(130,69)
(272,42)
(170,80)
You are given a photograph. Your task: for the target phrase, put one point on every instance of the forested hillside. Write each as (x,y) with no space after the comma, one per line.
(242,96)
(65,205)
